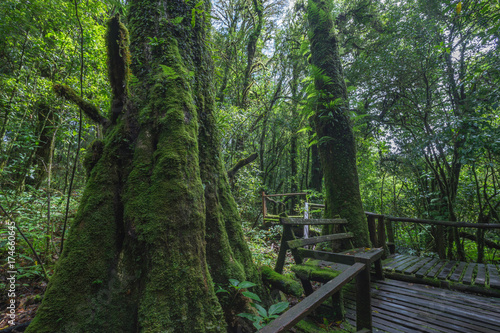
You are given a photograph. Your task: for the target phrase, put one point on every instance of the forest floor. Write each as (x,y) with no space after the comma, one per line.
(28,295)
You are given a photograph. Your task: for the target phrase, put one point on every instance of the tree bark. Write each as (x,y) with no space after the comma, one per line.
(157,224)
(336,142)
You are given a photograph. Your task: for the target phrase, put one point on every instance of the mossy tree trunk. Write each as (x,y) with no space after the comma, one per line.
(336,142)
(157,224)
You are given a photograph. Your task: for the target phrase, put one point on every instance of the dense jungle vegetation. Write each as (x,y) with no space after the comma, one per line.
(422,78)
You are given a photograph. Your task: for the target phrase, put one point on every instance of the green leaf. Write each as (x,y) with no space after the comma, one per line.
(199,4)
(313,142)
(307,128)
(248,316)
(278,308)
(177,20)
(234,282)
(169,71)
(261,310)
(251,295)
(221,290)
(193,17)
(246,284)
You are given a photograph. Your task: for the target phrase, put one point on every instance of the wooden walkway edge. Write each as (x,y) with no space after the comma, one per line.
(480,278)
(407,307)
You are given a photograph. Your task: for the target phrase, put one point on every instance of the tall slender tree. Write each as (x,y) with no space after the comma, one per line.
(336,142)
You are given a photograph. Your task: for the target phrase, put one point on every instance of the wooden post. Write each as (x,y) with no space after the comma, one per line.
(390,236)
(363,300)
(381,232)
(379,271)
(371,229)
(285,237)
(440,242)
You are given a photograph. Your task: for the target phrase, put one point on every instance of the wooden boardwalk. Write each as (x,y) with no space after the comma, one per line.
(477,275)
(406,307)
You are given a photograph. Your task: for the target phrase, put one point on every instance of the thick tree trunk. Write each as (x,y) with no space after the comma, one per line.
(316,171)
(157,223)
(335,137)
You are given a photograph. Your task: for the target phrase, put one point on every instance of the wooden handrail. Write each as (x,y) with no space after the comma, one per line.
(284,194)
(446,223)
(311,302)
(302,221)
(438,222)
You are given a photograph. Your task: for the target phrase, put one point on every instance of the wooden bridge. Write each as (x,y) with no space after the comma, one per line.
(419,294)
(408,307)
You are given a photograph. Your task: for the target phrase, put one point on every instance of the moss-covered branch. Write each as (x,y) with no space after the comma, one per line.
(88,108)
(241,163)
(281,282)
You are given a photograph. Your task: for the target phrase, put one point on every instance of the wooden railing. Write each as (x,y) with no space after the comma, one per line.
(311,302)
(358,262)
(381,228)
(266,197)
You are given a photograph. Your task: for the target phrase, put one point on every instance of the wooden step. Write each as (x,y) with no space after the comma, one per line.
(293,244)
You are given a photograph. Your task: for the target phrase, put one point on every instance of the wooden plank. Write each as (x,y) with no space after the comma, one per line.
(293,244)
(327,256)
(403,265)
(483,308)
(421,301)
(334,266)
(365,255)
(440,305)
(413,318)
(422,271)
(467,279)
(392,259)
(398,261)
(308,304)
(396,321)
(481,275)
(457,273)
(289,217)
(363,300)
(416,266)
(284,194)
(494,276)
(429,317)
(448,268)
(483,302)
(447,223)
(302,221)
(434,271)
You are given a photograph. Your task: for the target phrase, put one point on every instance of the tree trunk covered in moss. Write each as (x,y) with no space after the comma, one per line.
(335,136)
(157,224)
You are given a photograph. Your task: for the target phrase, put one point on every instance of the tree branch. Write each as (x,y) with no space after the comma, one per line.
(88,108)
(241,163)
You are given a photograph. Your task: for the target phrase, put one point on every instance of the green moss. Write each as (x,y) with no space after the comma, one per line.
(93,155)
(337,145)
(117,44)
(89,109)
(284,283)
(311,271)
(72,302)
